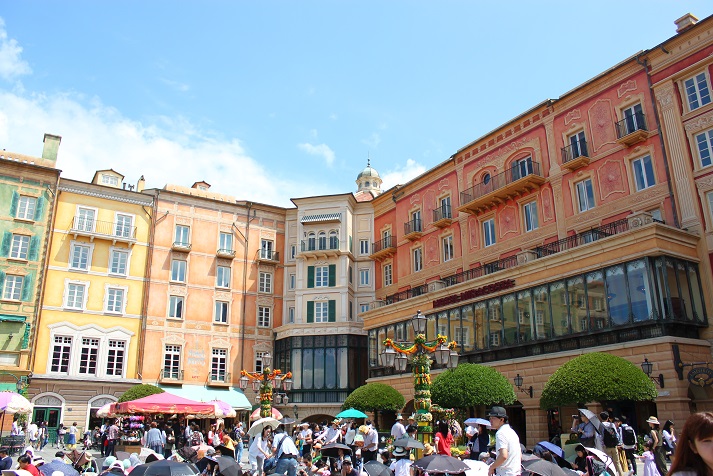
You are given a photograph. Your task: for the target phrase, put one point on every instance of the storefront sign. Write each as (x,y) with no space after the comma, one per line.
(701,376)
(474,293)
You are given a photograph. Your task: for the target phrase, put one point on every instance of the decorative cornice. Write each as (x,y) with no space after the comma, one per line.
(702,122)
(116,198)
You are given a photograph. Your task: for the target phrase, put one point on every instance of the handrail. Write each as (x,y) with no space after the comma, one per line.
(330,243)
(518,171)
(631,124)
(105,228)
(444,211)
(574,151)
(382,244)
(582,238)
(413,226)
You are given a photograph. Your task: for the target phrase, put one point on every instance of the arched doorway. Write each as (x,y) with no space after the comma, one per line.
(95,404)
(517,420)
(49,408)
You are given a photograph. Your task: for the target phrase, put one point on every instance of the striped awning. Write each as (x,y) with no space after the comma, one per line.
(325,217)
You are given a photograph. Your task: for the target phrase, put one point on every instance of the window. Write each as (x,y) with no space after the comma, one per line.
(263,316)
(13,287)
(19,246)
(75,296)
(461,336)
(112,180)
(363,247)
(88,356)
(226,242)
(363,277)
(416,221)
(172,362)
(321,311)
(522,168)
(633,119)
(222,276)
(218,365)
(265,285)
(293,252)
(417,259)
(322,238)
(705,147)
(577,145)
(221,312)
(26,207)
(386,235)
(494,339)
(118,262)
(266,247)
(124,226)
(489,232)
(447,244)
(60,354)
(697,91)
(182,237)
(258,361)
(445,207)
(321,276)
(529,211)
(291,315)
(311,242)
(334,241)
(351,272)
(84,221)
(115,300)
(175,306)
(178,270)
(585,195)
(643,173)
(80,257)
(363,308)
(388,276)
(115,358)
(293,281)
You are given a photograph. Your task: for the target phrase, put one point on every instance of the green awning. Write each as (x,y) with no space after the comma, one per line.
(232,396)
(12,318)
(8,387)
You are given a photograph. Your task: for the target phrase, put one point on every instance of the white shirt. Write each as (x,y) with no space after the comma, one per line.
(257,445)
(506,438)
(349,436)
(401,467)
(398,430)
(288,446)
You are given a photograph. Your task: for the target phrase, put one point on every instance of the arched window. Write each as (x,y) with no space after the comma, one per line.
(333,240)
(311,242)
(322,240)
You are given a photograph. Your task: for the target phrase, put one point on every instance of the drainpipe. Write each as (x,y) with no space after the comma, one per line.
(245,285)
(645,65)
(147,284)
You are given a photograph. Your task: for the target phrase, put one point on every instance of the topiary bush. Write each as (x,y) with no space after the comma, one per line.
(139,391)
(375,396)
(470,385)
(596,377)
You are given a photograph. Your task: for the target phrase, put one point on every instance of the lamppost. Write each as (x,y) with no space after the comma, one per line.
(264,382)
(396,356)
(21,383)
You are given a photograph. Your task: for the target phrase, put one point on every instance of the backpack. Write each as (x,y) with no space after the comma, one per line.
(609,436)
(628,436)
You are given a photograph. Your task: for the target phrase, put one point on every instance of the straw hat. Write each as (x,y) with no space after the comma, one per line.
(428,449)
(399,417)
(364,429)
(399,451)
(654,420)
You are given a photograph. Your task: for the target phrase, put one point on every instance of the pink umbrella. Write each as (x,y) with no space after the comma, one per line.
(223,410)
(275,414)
(11,402)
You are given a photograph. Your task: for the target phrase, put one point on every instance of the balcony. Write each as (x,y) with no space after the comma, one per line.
(575,156)
(583,238)
(114,231)
(225,253)
(218,379)
(504,186)
(442,216)
(632,129)
(413,230)
(320,248)
(171,376)
(181,246)
(268,257)
(383,248)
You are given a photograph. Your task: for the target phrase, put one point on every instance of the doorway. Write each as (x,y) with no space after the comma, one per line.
(52,415)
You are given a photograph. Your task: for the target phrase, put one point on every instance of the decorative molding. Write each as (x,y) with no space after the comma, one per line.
(224,262)
(219,342)
(702,122)
(173,339)
(226,228)
(443,183)
(705,183)
(610,178)
(508,221)
(571,116)
(148,201)
(601,123)
(665,96)
(182,220)
(16,270)
(547,205)
(415,198)
(626,87)
(222,295)
(268,234)
(177,290)
(263,300)
(431,248)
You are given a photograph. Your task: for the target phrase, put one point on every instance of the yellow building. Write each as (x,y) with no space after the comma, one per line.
(89,330)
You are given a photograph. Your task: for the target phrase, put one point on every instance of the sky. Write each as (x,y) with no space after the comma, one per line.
(271,100)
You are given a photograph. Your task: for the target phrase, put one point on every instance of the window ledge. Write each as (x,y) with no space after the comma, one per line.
(24,220)
(78,270)
(221,323)
(118,275)
(175,319)
(176,282)
(19,260)
(65,308)
(113,313)
(224,288)
(10,301)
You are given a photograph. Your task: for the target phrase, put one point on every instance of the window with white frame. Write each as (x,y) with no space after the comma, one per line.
(258,361)
(529,211)
(643,173)
(291,315)
(182,235)
(115,358)
(321,276)
(124,225)
(85,219)
(75,294)
(293,252)
(447,247)
(697,91)
(115,300)
(321,311)
(577,145)
(88,353)
(540,317)
(118,262)
(333,240)
(263,316)
(80,256)
(322,240)
(443,329)
(489,232)
(222,276)
(363,308)
(265,282)
(12,290)
(585,195)
(388,275)
(19,246)
(178,270)
(445,207)
(172,362)
(363,247)
(709,196)
(363,277)
(61,350)
(112,180)
(633,119)
(293,281)
(225,242)
(351,273)
(704,141)
(266,247)
(462,336)
(26,207)
(494,339)
(219,365)
(417,259)
(221,312)
(175,307)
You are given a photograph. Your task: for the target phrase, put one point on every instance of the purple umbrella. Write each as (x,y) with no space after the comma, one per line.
(223,410)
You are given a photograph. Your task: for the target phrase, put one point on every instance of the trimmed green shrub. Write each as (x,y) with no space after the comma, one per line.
(470,385)
(139,391)
(375,396)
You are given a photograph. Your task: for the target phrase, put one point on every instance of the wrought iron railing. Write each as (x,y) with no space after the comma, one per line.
(574,151)
(413,226)
(480,271)
(320,244)
(444,211)
(172,374)
(631,124)
(501,180)
(218,376)
(105,228)
(407,294)
(269,255)
(582,238)
(382,244)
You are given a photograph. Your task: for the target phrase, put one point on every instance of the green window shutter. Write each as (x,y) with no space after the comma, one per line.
(5,245)
(350,244)
(2,282)
(332,275)
(40,208)
(27,288)
(310,311)
(34,248)
(13,203)
(310,276)
(332,311)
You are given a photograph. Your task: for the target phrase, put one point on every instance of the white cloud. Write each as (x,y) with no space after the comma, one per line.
(402,174)
(333,116)
(320,150)
(11,63)
(176,85)
(372,141)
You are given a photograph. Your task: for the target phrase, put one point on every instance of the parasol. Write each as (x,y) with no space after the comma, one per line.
(164,403)
(106,410)
(260,424)
(275,414)
(441,464)
(12,402)
(351,413)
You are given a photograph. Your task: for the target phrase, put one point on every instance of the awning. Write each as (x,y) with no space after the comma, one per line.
(12,318)
(325,217)
(232,396)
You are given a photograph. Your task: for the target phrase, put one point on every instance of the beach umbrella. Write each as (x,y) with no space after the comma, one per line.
(165,468)
(441,464)
(259,425)
(351,413)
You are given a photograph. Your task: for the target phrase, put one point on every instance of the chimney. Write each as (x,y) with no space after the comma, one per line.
(685,22)
(49,151)
(141,184)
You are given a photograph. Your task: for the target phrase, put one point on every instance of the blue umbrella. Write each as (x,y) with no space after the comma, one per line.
(351,413)
(552,448)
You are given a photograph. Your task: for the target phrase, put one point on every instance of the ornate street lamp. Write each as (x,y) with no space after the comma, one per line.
(264,382)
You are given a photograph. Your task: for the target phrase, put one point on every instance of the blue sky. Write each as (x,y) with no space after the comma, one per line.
(268,100)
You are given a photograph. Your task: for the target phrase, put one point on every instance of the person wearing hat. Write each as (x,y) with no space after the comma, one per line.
(402,463)
(347,467)
(371,442)
(657,442)
(507,445)
(428,449)
(398,430)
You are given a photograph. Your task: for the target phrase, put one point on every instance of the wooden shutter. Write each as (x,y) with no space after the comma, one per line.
(27,288)
(39,208)
(310,276)
(332,316)
(310,310)
(5,245)
(332,275)
(33,252)
(13,204)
